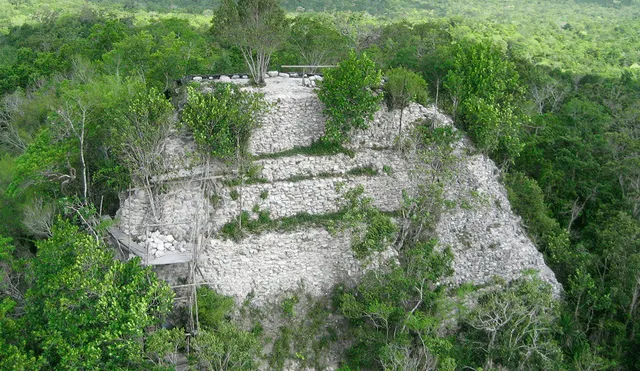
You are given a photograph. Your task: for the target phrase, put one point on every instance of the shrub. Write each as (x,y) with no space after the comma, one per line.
(212,308)
(348,93)
(403,87)
(234,194)
(222,121)
(527,199)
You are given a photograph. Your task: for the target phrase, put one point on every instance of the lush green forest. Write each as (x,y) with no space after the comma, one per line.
(549,90)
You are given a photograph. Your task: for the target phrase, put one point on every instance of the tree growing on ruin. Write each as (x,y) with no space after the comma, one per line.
(350,97)
(256,27)
(222,123)
(317,41)
(140,133)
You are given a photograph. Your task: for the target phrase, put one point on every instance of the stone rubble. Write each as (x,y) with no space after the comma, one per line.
(159,244)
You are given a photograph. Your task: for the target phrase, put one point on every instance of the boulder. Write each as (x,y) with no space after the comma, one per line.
(272,73)
(282,74)
(235,77)
(197,78)
(224,78)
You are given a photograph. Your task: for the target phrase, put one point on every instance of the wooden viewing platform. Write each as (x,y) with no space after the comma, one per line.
(132,247)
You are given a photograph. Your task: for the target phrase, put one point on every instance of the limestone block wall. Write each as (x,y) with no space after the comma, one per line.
(272,263)
(293,121)
(384,130)
(178,209)
(313,196)
(178,152)
(487,238)
(294,166)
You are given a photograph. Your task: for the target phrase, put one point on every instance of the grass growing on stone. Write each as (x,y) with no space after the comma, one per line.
(264,223)
(234,182)
(300,178)
(317,148)
(365,170)
(358,171)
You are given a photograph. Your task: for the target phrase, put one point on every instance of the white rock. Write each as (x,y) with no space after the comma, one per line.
(318,78)
(197,78)
(169,238)
(245,76)
(224,78)
(272,73)
(235,77)
(160,246)
(282,74)
(312,78)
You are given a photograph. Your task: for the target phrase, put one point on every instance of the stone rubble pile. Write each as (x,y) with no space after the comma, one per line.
(159,244)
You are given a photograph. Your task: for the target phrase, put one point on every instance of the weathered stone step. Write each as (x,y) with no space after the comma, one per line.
(313,196)
(283,168)
(272,263)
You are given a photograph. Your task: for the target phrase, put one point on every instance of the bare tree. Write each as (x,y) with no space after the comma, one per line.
(517,322)
(548,96)
(74,119)
(256,27)
(38,218)
(10,135)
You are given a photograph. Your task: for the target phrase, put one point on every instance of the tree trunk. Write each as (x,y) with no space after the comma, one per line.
(82,161)
(437,90)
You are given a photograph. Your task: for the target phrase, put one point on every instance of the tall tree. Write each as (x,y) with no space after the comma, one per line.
(317,40)
(485,90)
(256,27)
